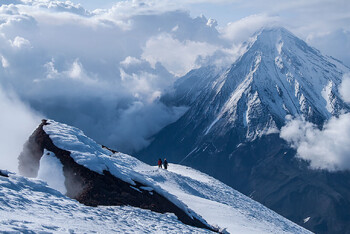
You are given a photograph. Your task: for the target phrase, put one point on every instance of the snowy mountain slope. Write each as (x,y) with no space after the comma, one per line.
(197,194)
(218,203)
(230,130)
(29,205)
(278,75)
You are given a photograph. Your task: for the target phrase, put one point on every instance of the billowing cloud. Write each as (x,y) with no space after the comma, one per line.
(178,58)
(327,148)
(242,29)
(104,70)
(17,122)
(101,70)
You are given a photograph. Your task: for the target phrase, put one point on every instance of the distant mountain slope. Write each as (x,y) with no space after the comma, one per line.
(230,130)
(198,195)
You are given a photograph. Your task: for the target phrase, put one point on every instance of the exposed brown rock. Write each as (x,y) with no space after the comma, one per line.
(92,188)
(112,150)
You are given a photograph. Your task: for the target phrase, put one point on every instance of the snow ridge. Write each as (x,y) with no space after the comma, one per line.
(196,193)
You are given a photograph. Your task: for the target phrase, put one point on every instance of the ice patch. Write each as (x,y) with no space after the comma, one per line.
(279,46)
(149,189)
(245,119)
(306,219)
(327,95)
(212,124)
(279,62)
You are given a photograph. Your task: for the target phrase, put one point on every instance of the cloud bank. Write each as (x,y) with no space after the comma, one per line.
(104,70)
(327,148)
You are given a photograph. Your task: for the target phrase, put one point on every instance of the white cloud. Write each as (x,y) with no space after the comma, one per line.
(20,42)
(51,70)
(138,120)
(4,62)
(76,70)
(240,30)
(327,149)
(345,88)
(177,57)
(86,69)
(129,61)
(17,122)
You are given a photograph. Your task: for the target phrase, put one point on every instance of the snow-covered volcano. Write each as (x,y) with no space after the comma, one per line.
(230,130)
(278,75)
(30,205)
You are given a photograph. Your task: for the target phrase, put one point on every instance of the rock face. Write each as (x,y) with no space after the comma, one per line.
(92,188)
(3,173)
(230,130)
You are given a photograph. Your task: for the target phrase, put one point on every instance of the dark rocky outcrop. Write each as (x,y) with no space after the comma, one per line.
(3,173)
(92,188)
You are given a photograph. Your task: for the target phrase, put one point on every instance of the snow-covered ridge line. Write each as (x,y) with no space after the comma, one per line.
(93,156)
(199,194)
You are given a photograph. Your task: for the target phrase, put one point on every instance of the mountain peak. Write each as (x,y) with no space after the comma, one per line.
(275,29)
(231,127)
(271,40)
(276,32)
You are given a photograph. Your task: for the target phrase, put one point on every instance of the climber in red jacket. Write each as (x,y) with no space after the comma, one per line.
(159,163)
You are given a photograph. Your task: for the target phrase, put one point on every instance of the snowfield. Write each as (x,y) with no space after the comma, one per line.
(30,205)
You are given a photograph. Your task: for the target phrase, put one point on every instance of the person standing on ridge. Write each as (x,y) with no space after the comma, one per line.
(159,163)
(165,164)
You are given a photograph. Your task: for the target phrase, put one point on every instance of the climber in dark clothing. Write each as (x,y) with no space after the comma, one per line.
(165,164)
(159,163)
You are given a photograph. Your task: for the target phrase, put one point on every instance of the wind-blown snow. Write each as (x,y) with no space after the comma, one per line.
(196,193)
(29,206)
(51,171)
